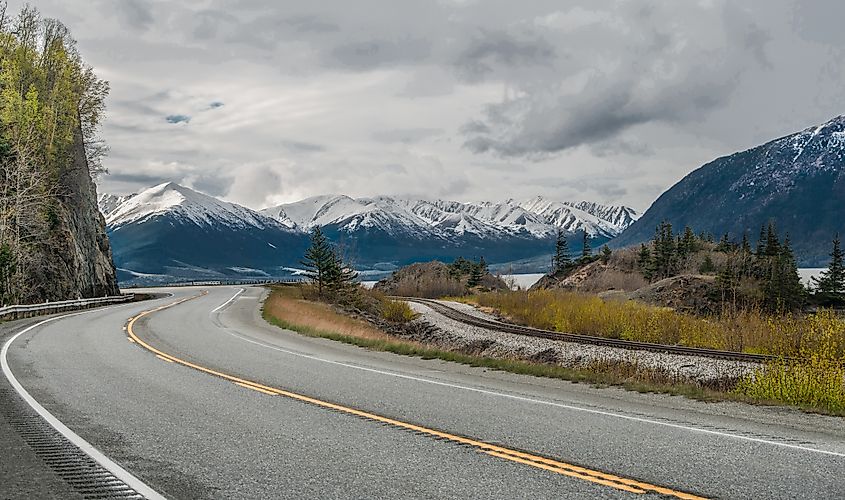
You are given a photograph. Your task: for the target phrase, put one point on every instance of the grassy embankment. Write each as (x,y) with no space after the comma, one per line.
(285,307)
(809,374)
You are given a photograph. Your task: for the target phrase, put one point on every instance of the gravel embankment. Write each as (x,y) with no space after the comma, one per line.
(450,334)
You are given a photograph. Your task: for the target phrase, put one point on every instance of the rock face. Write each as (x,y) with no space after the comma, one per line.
(75,259)
(796,181)
(694,294)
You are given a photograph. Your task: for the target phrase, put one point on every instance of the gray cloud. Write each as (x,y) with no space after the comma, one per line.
(492,50)
(406,136)
(174,119)
(607,100)
(371,54)
(302,147)
(136,14)
(669,77)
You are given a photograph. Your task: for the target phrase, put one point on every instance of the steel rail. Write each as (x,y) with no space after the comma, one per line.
(500,326)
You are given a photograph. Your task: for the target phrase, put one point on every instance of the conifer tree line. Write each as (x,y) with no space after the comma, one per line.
(51,104)
(464,267)
(562,259)
(768,272)
(325,267)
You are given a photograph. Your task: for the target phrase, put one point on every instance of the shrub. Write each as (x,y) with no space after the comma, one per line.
(396,311)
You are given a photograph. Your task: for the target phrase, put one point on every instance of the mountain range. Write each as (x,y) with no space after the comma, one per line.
(170,232)
(796,181)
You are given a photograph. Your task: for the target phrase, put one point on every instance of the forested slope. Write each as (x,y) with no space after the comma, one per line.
(53,243)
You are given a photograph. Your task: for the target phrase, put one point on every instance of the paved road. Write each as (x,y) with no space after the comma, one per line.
(189,434)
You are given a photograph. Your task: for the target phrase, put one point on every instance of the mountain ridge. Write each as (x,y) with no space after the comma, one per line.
(797,181)
(148,231)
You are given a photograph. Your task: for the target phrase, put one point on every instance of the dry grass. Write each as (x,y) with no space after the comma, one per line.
(744,331)
(287,304)
(815,385)
(286,308)
(813,376)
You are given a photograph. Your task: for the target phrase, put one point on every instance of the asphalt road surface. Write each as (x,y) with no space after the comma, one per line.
(232,407)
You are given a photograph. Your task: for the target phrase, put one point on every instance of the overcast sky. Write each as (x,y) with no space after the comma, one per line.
(261,101)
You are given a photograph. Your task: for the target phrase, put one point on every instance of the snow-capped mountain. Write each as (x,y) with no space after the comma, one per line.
(170,232)
(173,231)
(797,181)
(538,217)
(179,202)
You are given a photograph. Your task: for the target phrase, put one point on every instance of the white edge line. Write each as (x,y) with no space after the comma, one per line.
(543,402)
(221,306)
(118,471)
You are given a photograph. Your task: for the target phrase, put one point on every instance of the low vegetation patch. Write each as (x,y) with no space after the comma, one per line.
(812,387)
(287,308)
(811,348)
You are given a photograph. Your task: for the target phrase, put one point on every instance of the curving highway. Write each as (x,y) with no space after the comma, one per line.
(200,398)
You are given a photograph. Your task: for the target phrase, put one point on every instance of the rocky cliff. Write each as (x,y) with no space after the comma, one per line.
(75,259)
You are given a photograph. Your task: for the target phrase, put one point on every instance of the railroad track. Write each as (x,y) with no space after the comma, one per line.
(469,319)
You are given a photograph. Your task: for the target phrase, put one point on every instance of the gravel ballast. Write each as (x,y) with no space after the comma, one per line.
(437,329)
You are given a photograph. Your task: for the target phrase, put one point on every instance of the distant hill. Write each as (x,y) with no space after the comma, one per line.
(797,181)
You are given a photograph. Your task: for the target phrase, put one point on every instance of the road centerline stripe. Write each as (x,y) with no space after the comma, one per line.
(536,461)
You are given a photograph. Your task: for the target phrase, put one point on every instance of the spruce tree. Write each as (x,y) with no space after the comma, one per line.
(830,285)
(319,260)
(644,260)
(476,274)
(772,242)
(339,277)
(782,289)
(586,249)
(606,252)
(560,259)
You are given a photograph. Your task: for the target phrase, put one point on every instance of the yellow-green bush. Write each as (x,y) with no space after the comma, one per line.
(396,311)
(816,376)
(745,331)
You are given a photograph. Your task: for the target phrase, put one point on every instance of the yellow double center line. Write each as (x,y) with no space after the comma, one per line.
(544,463)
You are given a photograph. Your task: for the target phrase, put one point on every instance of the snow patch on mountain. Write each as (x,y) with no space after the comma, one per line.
(537,217)
(181,203)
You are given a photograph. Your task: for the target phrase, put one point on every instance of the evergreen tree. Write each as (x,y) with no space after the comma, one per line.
(560,259)
(665,257)
(728,281)
(782,289)
(745,257)
(760,251)
(476,274)
(605,254)
(772,242)
(339,277)
(320,261)
(830,285)
(724,244)
(707,267)
(644,261)
(586,249)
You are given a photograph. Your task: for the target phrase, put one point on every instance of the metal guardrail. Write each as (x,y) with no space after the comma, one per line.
(27,310)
